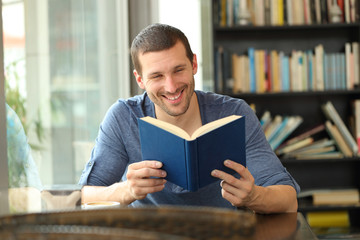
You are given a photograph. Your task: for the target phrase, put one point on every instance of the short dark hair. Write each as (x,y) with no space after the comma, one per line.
(157,37)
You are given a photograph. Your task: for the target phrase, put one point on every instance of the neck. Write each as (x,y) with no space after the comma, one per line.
(189,121)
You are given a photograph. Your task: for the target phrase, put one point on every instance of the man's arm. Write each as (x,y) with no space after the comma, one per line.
(244,193)
(142,178)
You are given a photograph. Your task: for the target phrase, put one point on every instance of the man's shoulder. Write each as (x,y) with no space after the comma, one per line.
(211,98)
(134,100)
(138,105)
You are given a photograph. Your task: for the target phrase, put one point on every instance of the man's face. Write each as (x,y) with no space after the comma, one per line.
(168,78)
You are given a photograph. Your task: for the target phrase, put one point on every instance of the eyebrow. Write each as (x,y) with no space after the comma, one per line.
(157,73)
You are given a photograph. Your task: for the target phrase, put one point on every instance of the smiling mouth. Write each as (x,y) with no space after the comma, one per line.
(175,97)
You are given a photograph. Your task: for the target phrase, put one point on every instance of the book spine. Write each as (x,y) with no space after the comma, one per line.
(342,128)
(339,140)
(192,165)
(328,219)
(357,122)
(251,55)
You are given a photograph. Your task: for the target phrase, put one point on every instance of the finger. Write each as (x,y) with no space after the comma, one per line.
(140,193)
(148,182)
(237,167)
(145,164)
(145,173)
(235,192)
(234,200)
(225,177)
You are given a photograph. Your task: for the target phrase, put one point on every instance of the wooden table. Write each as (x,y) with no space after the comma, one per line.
(155,223)
(283,226)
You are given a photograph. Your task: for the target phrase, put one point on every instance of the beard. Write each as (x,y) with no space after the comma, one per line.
(179,109)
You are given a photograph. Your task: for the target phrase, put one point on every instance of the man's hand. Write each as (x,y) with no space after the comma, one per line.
(239,192)
(143,178)
(242,192)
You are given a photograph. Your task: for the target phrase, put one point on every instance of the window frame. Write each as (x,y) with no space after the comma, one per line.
(4,179)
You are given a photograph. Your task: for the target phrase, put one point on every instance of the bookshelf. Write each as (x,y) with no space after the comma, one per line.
(237,39)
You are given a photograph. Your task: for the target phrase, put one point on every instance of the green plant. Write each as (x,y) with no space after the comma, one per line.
(17,102)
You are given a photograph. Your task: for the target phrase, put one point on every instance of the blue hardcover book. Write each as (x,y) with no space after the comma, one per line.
(310,70)
(285,74)
(189,160)
(252,74)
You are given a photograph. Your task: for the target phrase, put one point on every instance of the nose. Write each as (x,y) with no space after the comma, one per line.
(170,84)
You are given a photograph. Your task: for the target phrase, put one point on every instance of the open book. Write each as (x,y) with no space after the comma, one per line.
(189,160)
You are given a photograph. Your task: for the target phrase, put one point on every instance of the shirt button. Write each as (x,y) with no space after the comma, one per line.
(90,164)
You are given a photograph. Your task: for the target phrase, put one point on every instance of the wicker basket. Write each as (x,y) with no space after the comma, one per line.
(131,223)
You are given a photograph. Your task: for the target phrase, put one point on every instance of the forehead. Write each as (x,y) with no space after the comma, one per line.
(161,60)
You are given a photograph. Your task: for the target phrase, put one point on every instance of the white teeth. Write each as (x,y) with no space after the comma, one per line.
(174,98)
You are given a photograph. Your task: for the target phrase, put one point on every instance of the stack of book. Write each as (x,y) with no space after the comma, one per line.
(278,128)
(339,142)
(356,120)
(336,128)
(309,146)
(319,197)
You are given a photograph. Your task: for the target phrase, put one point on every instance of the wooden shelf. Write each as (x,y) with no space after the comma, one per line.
(331,26)
(310,174)
(329,93)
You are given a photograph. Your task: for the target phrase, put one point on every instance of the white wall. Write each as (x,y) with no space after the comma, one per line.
(185,15)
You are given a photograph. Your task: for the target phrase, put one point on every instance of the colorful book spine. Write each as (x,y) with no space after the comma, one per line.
(333,115)
(252,74)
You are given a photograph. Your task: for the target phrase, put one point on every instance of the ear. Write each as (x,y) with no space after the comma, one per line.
(139,79)
(194,65)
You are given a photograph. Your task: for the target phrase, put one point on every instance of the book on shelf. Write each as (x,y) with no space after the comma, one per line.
(356,107)
(274,62)
(292,144)
(355,50)
(321,146)
(287,127)
(240,73)
(331,113)
(277,129)
(282,12)
(320,156)
(349,66)
(319,61)
(347,11)
(314,151)
(189,160)
(265,120)
(310,132)
(263,71)
(252,73)
(328,219)
(273,127)
(334,132)
(285,73)
(348,196)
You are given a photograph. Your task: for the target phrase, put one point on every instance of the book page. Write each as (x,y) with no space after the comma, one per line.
(213,125)
(167,127)
(199,132)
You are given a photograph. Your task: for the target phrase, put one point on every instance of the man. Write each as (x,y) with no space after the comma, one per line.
(165,67)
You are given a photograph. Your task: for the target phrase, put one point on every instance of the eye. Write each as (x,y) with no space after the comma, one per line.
(157,76)
(179,70)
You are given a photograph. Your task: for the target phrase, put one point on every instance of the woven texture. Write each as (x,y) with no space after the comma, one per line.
(131,223)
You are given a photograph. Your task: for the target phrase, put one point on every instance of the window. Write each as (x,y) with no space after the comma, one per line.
(66,62)
(69,61)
